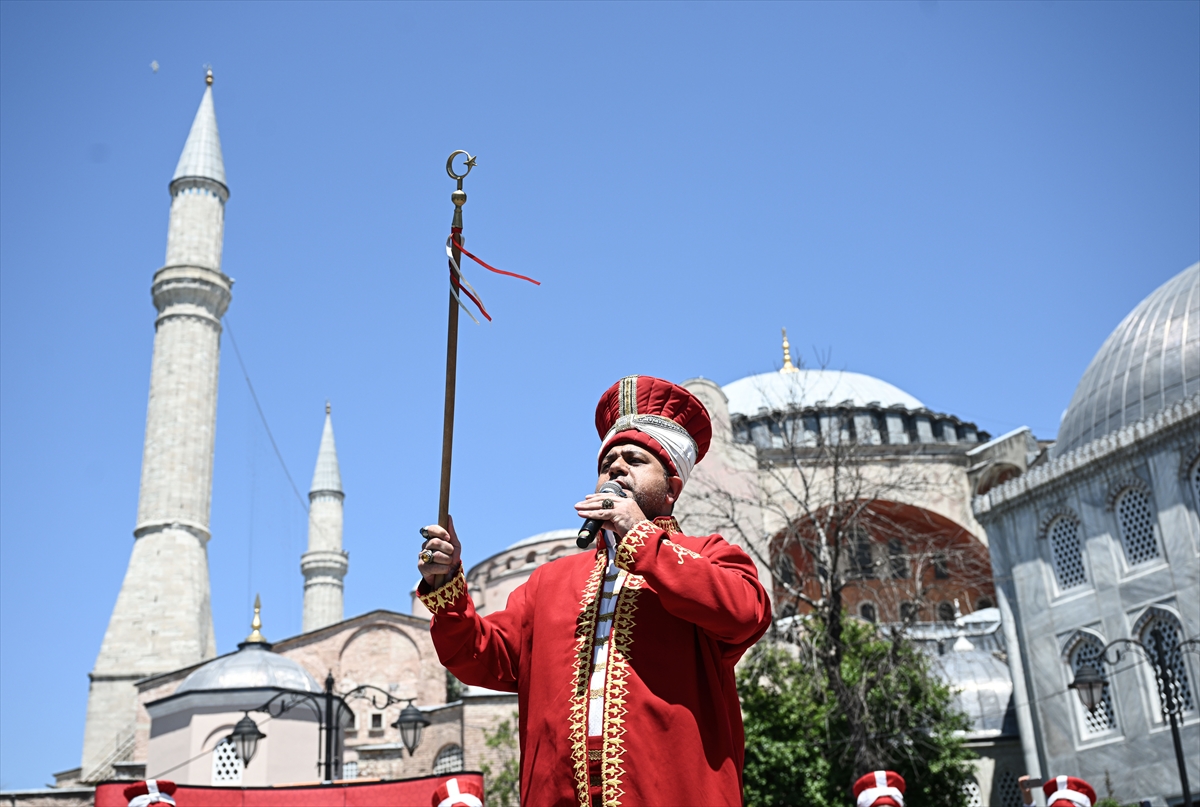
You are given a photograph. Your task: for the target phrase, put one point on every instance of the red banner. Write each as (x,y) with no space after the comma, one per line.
(395,793)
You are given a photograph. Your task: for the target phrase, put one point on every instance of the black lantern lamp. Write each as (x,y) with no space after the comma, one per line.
(245,739)
(411,722)
(1089,685)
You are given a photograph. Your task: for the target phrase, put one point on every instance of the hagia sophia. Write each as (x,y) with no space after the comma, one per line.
(1014,560)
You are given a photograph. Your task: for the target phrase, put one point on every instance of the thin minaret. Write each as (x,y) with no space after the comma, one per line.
(324,565)
(162,620)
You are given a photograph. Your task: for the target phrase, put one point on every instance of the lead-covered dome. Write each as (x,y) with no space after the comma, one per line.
(252,667)
(1151,360)
(804,388)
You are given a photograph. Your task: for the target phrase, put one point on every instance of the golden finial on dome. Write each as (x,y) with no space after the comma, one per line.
(328,408)
(208,77)
(256,636)
(788,367)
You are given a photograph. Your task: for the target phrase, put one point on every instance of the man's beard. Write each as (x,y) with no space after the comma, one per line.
(652,502)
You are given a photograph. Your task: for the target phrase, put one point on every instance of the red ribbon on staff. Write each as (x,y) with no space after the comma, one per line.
(460,283)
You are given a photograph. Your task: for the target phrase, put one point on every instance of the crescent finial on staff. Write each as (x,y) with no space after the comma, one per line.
(469,165)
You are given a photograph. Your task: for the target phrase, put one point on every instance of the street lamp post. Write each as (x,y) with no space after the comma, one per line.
(1089,686)
(328,706)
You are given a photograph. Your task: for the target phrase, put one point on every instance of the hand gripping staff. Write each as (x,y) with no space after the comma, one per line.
(458,287)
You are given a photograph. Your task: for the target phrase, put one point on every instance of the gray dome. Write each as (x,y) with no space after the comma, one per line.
(252,667)
(982,689)
(1151,361)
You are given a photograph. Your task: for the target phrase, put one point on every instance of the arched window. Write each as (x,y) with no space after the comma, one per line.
(984,602)
(908,612)
(1088,653)
(945,611)
(226,764)
(1067,552)
(785,570)
(1137,526)
(350,769)
(448,760)
(1166,627)
(867,611)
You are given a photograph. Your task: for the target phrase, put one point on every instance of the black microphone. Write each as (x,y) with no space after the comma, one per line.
(587,533)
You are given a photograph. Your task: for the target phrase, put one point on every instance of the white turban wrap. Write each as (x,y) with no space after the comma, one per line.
(674,439)
(869,796)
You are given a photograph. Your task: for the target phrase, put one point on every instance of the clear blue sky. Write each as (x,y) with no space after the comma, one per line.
(960,198)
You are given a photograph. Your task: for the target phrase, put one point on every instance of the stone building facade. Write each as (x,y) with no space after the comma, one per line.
(1102,542)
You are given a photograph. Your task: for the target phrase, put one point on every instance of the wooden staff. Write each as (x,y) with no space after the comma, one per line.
(459,198)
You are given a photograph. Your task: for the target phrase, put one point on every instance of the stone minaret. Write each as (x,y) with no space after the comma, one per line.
(163,619)
(324,564)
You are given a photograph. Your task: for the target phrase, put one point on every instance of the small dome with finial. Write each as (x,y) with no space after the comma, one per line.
(253,666)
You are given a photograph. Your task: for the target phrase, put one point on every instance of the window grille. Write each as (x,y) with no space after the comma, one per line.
(1137,526)
(350,769)
(1067,553)
(1104,718)
(899,561)
(1008,790)
(861,562)
(973,794)
(785,569)
(1169,628)
(226,764)
(449,760)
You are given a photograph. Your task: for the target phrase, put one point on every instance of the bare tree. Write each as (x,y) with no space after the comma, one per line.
(840,516)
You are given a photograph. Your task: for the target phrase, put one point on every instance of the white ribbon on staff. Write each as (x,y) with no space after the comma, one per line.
(152,797)
(459,276)
(457,797)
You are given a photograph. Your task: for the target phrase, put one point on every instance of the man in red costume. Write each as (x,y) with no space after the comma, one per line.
(622,659)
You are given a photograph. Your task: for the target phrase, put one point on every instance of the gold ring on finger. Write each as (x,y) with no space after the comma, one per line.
(426,556)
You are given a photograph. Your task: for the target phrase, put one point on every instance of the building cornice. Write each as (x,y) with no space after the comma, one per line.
(1117,445)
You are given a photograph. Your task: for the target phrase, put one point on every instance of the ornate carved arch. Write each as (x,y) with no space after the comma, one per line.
(1053,515)
(1153,612)
(1130,482)
(1079,637)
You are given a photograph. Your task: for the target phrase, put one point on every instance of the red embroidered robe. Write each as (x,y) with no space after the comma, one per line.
(672,725)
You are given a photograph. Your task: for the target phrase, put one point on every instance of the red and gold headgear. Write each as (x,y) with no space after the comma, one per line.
(457,793)
(661,417)
(1068,791)
(880,789)
(149,792)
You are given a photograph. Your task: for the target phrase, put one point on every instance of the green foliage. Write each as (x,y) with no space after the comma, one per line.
(503,788)
(798,742)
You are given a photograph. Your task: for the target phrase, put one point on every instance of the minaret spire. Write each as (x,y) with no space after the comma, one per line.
(162,619)
(324,565)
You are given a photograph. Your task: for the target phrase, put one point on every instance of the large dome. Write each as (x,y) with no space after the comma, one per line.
(1149,362)
(775,391)
(252,667)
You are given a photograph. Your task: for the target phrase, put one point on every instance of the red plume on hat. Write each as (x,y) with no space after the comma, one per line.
(880,789)
(1068,791)
(151,791)
(664,418)
(457,793)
